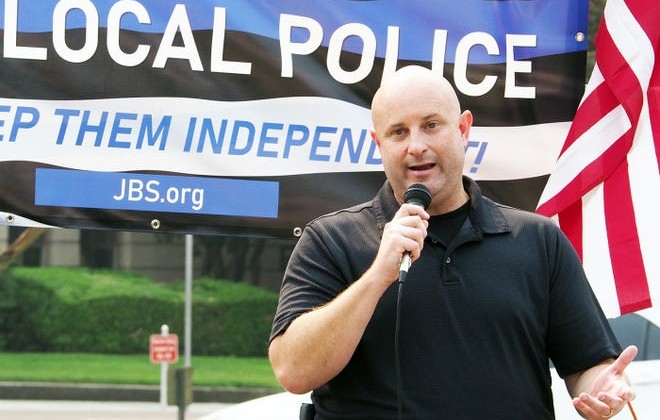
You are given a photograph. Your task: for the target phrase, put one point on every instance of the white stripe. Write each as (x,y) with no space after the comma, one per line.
(645,189)
(511,152)
(587,148)
(515,152)
(595,80)
(596,253)
(630,39)
(267,152)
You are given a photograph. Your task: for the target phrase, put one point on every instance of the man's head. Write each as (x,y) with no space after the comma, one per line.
(422,134)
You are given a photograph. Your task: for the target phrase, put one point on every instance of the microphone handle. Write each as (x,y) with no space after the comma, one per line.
(406,261)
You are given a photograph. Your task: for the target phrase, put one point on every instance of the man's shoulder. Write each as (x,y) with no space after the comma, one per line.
(521,220)
(359,212)
(516,213)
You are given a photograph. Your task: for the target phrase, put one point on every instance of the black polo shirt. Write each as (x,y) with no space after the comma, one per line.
(480,318)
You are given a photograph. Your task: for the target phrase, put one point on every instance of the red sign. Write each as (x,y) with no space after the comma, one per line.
(163,348)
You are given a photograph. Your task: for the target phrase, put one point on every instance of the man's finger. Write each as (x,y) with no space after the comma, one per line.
(624,359)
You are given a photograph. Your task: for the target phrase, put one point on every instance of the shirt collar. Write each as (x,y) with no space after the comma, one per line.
(485,215)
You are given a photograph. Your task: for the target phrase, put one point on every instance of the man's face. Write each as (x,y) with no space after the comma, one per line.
(422,137)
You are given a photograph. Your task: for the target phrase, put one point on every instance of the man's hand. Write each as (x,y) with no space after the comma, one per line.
(610,391)
(404,233)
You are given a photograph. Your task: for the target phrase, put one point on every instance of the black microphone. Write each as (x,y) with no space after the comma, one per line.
(418,195)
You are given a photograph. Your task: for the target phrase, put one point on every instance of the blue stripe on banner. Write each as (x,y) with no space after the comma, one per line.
(163,193)
(556,22)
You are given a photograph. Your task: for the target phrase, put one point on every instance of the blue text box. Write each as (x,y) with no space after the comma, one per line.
(163,193)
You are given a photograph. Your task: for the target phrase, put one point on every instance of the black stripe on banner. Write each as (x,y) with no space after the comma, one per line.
(302,198)
(559,80)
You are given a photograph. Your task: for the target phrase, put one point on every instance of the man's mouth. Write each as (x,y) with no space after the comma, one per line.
(421,167)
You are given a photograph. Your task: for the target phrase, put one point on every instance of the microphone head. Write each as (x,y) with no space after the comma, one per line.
(418,194)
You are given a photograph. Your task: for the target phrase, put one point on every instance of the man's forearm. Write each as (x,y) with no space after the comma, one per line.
(319,344)
(582,381)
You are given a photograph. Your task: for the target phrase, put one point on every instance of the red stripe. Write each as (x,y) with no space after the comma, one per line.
(647,13)
(600,102)
(623,240)
(592,175)
(654,110)
(619,76)
(570,222)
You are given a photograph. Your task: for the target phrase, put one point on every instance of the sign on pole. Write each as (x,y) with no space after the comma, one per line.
(163,348)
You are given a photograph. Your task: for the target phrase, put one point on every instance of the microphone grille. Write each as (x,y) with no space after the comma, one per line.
(418,194)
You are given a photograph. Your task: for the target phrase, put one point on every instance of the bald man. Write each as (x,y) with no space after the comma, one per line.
(493,295)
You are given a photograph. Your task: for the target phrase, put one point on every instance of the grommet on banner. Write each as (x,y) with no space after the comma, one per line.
(10,218)
(297,231)
(579,37)
(155,224)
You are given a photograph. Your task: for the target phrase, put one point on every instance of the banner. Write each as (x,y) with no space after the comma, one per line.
(252,117)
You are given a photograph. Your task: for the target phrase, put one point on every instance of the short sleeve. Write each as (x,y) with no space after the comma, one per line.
(579,335)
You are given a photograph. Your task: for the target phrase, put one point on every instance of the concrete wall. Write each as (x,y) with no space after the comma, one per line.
(159,256)
(61,247)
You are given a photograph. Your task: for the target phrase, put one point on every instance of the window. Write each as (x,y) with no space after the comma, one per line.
(97,248)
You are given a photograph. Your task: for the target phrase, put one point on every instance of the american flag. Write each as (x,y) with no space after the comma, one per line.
(605,186)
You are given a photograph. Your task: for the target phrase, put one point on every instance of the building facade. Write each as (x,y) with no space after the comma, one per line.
(161,257)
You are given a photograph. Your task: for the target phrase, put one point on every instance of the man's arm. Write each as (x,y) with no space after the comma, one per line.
(602,391)
(318,344)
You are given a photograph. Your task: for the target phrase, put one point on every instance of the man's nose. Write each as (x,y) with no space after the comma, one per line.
(417,144)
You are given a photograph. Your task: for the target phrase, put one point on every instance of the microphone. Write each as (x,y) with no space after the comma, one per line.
(418,195)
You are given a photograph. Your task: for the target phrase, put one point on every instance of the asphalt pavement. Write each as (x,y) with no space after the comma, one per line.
(57,401)
(95,410)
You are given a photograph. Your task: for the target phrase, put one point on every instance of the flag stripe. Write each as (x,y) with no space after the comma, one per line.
(597,264)
(620,77)
(574,231)
(627,264)
(654,110)
(643,13)
(645,190)
(598,102)
(567,180)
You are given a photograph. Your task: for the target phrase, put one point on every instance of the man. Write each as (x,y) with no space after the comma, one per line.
(493,293)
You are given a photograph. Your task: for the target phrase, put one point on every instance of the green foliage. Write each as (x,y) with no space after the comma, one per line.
(83,310)
(595,15)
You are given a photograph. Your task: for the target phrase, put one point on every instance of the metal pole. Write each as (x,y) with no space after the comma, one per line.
(188,304)
(164,331)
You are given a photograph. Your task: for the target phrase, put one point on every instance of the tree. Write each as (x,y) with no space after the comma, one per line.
(19,246)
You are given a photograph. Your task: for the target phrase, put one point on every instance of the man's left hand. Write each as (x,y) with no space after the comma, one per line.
(610,391)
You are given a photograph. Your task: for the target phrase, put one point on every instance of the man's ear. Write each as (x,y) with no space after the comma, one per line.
(374,137)
(465,124)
